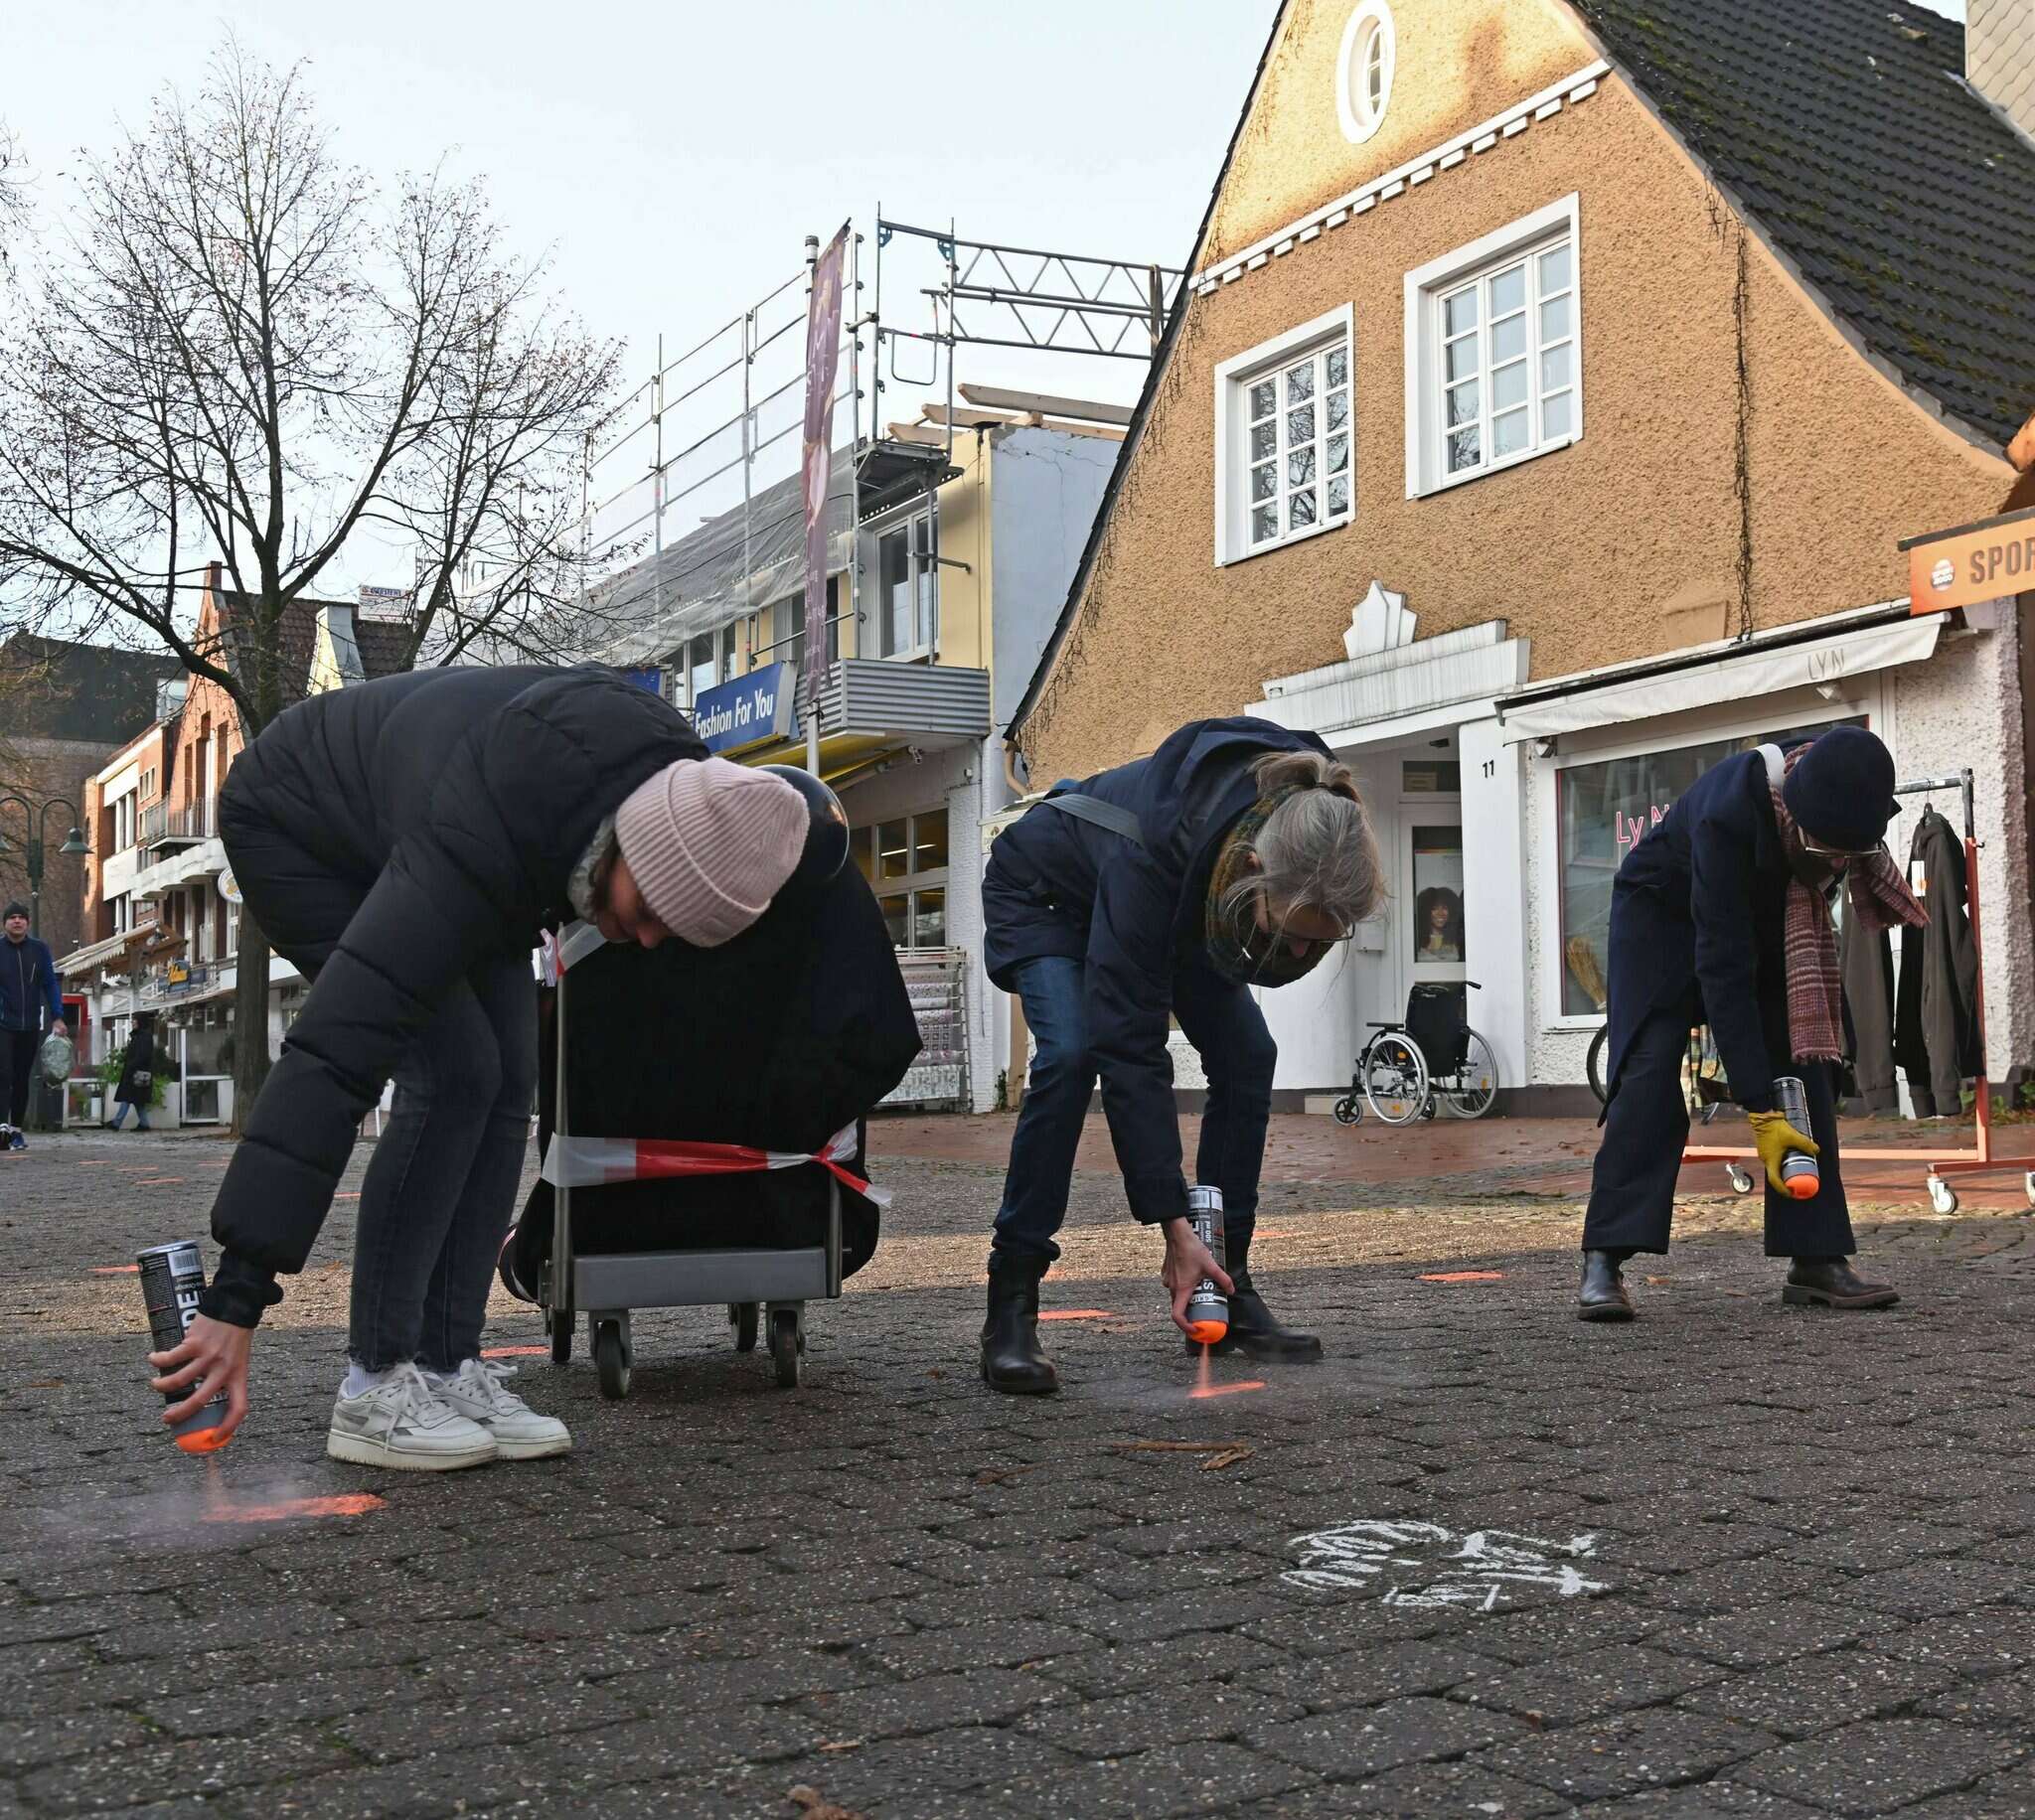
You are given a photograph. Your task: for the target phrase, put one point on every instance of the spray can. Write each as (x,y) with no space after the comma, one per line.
(1800,1175)
(171,1280)
(1208,1306)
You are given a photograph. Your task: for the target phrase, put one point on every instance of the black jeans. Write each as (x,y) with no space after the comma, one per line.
(1632,1192)
(17,1069)
(1223,1022)
(439,1193)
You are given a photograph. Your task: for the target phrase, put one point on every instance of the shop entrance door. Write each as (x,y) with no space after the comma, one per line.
(1433,938)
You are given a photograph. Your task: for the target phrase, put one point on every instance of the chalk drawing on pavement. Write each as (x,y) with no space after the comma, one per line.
(1427,1567)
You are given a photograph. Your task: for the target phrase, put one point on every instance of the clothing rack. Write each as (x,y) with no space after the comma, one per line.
(1942,1163)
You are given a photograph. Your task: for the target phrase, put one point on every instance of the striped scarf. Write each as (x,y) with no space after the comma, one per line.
(1880,899)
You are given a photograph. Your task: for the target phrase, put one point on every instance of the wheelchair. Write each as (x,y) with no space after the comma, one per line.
(1431,1062)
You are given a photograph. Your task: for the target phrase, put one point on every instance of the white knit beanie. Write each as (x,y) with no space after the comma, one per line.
(711,844)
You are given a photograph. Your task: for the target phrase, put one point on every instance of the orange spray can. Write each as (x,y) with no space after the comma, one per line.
(171,1280)
(1208,1306)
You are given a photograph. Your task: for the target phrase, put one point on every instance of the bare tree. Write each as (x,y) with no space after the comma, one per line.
(241,350)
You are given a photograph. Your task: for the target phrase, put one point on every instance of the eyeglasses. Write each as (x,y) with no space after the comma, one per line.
(1821,851)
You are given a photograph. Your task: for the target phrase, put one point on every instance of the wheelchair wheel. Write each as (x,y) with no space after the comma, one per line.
(1472,1089)
(1349,1111)
(612,1357)
(1394,1079)
(786,1343)
(1594,1065)
(742,1316)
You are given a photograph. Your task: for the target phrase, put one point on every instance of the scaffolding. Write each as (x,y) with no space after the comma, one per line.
(695,484)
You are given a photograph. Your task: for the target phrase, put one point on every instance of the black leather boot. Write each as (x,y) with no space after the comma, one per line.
(1253,1329)
(1603,1295)
(1832,1282)
(1012,1358)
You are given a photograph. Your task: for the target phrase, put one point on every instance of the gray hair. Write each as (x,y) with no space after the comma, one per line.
(1317,849)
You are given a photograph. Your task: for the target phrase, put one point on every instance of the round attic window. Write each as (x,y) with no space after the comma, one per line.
(1363,71)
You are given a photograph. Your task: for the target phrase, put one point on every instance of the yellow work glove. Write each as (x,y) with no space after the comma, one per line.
(1774,1137)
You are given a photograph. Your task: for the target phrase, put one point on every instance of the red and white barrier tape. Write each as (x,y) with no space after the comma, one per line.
(595,1163)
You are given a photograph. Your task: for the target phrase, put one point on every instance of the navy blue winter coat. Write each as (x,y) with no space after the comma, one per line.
(27,985)
(1701,902)
(1058,885)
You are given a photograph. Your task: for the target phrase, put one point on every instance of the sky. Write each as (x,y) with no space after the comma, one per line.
(672,157)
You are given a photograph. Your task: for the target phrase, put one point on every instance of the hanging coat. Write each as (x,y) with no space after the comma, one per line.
(1935,1022)
(139,1059)
(778,1039)
(1866,957)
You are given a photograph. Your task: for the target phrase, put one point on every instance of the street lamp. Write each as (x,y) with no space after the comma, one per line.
(35,824)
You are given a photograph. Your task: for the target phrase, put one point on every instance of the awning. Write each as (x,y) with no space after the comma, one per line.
(1607,700)
(83,960)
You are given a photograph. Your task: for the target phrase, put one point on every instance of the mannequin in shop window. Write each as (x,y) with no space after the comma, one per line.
(1721,915)
(1438,916)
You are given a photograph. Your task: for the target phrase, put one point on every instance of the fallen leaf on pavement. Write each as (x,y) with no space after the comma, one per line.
(817,1807)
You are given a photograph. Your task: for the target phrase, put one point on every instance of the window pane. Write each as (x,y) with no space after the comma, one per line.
(1264,481)
(929,841)
(894,853)
(1461,359)
(929,920)
(1300,466)
(1438,937)
(861,842)
(1555,317)
(1462,402)
(1554,367)
(1507,290)
(1430,777)
(1300,426)
(1299,510)
(896,919)
(1459,313)
(1508,386)
(1338,409)
(1464,450)
(1299,382)
(1339,454)
(1263,399)
(1338,366)
(1264,524)
(895,588)
(1264,441)
(1509,433)
(1338,495)
(1557,414)
(1508,338)
(1554,270)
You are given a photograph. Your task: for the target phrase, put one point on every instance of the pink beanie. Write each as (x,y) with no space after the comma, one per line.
(711,844)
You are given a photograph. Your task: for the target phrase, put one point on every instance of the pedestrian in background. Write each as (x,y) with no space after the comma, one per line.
(30,1009)
(1233,858)
(137,1075)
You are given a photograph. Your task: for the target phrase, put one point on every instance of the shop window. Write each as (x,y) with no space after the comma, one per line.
(1363,72)
(907,589)
(1603,810)
(1286,439)
(1496,376)
(905,861)
(1437,927)
(787,622)
(700,669)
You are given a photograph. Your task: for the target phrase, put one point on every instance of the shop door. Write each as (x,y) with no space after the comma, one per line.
(1434,940)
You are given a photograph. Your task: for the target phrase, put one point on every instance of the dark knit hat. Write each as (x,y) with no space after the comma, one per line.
(17,908)
(1841,790)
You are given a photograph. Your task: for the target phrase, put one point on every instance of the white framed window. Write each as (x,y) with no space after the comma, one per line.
(1493,352)
(905,863)
(907,589)
(1363,71)
(1285,439)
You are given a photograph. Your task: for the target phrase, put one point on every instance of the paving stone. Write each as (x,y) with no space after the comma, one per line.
(1138,1722)
(1606,1758)
(1198,1778)
(385,1734)
(1930,1588)
(1345,1746)
(1809,1694)
(1099,1673)
(1581,1686)
(1425,1789)
(1370,1677)
(269,1755)
(1769,1634)
(1881,1765)
(978,1697)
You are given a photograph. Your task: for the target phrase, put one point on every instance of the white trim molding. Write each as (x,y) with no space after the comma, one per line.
(1426,434)
(1361,118)
(1479,138)
(1232,378)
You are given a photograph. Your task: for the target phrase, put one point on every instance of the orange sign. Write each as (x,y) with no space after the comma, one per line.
(1982,562)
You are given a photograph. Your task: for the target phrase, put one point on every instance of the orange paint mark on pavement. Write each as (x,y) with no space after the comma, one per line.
(352,1194)
(1076,1314)
(1228,1389)
(514,1352)
(116,1270)
(1464,1277)
(343,1504)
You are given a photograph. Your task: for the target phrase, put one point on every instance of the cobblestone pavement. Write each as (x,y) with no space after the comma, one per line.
(1734,1559)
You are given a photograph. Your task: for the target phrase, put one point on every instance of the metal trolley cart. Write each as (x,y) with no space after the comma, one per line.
(773,1284)
(1942,1163)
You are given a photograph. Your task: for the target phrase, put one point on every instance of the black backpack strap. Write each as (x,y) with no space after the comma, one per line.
(1094,810)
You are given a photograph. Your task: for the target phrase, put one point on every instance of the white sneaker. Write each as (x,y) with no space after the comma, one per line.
(477,1392)
(404,1425)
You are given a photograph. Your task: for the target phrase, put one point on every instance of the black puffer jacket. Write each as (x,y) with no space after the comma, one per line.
(441,812)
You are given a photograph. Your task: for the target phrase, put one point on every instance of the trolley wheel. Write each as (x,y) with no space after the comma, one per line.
(612,1358)
(1941,1196)
(1349,1111)
(2028,1183)
(742,1316)
(785,1347)
(560,1321)
(1741,1182)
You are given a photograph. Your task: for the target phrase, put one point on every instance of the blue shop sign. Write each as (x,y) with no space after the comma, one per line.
(748,710)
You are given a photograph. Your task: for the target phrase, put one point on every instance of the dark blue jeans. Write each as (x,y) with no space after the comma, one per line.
(1223,1022)
(438,1196)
